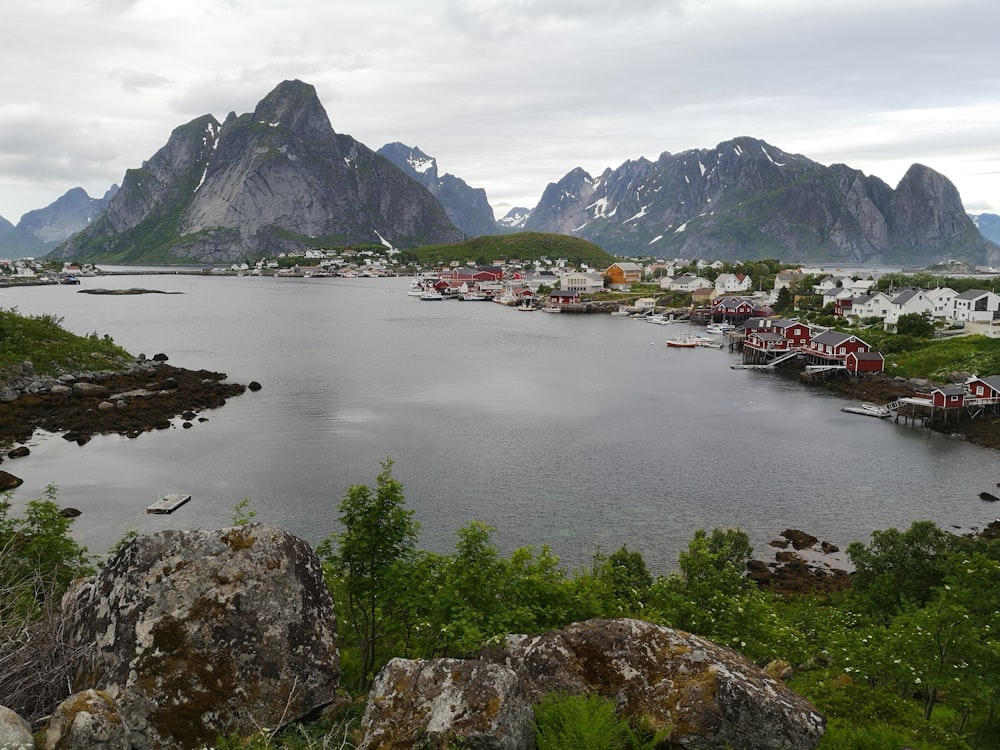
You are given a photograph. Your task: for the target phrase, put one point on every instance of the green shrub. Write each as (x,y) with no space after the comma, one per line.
(588,722)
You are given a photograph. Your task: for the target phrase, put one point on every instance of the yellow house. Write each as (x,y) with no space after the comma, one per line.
(623,273)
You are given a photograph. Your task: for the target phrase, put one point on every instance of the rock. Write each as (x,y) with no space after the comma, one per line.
(169,384)
(70,512)
(106,406)
(9,481)
(19,452)
(87,390)
(710,696)
(253,385)
(61,390)
(197,634)
(15,732)
(89,720)
(161,357)
(779,669)
(471,703)
(799,539)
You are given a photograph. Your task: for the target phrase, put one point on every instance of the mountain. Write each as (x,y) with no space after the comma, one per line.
(276,180)
(746,199)
(989,226)
(514,220)
(466,206)
(43,228)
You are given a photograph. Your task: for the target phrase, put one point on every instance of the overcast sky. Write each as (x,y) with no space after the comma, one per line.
(508,95)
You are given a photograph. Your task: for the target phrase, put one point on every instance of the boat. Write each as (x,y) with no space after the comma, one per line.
(868,410)
(553,310)
(720,327)
(168,503)
(526,307)
(474,297)
(431,296)
(686,343)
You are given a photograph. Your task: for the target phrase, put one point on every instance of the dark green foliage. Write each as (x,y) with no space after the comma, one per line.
(900,568)
(38,557)
(588,722)
(918,325)
(521,246)
(367,560)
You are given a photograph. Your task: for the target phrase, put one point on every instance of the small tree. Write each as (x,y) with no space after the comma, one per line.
(918,325)
(784,301)
(367,560)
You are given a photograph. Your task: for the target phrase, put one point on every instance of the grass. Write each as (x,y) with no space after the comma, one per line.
(41,340)
(935,359)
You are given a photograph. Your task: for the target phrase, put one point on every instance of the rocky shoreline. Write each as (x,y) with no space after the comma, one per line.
(147,395)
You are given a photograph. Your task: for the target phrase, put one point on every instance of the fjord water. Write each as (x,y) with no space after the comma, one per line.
(580,432)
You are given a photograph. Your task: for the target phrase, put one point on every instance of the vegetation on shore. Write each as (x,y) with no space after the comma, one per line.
(52,350)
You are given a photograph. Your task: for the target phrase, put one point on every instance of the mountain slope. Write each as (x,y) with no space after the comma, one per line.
(746,199)
(41,229)
(466,206)
(275,180)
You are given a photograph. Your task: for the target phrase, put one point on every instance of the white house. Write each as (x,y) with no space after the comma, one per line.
(785,279)
(976,305)
(578,281)
(944,301)
(908,301)
(688,283)
(830,282)
(732,283)
(871,305)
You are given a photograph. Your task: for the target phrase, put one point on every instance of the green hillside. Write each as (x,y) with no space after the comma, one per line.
(523,246)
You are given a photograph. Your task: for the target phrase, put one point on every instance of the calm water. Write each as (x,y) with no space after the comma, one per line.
(580,432)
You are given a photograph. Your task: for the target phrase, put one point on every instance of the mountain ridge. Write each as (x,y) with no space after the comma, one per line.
(747,199)
(280,179)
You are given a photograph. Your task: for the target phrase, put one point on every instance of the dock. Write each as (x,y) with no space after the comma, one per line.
(168,503)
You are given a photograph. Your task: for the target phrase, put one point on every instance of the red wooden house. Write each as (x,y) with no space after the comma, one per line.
(832,347)
(560,297)
(951,396)
(984,388)
(858,363)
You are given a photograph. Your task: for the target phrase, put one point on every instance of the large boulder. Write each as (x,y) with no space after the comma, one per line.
(197,634)
(431,703)
(707,695)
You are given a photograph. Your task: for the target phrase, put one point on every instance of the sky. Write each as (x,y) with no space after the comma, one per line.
(508,95)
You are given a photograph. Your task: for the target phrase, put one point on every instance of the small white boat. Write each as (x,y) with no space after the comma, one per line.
(431,296)
(553,310)
(720,327)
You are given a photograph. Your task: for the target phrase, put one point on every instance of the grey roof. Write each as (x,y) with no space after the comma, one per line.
(905,296)
(972,294)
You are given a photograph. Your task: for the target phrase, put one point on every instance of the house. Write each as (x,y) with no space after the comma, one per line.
(775,335)
(832,347)
(906,302)
(864,362)
(797,334)
(948,396)
(732,283)
(870,305)
(579,281)
(731,309)
(976,305)
(943,298)
(785,279)
(984,388)
(688,283)
(836,294)
(830,282)
(623,273)
(703,297)
(560,297)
